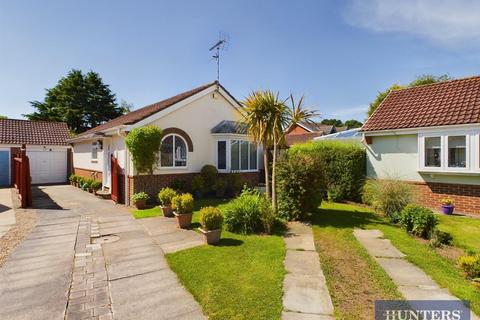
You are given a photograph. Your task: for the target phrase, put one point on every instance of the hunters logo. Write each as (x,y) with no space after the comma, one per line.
(422,310)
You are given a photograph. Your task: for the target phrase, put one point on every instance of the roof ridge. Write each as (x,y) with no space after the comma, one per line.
(36,121)
(436,83)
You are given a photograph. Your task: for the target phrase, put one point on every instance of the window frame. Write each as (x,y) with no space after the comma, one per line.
(94,146)
(228,142)
(472,152)
(173,166)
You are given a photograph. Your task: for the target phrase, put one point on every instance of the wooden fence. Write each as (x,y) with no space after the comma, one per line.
(21,178)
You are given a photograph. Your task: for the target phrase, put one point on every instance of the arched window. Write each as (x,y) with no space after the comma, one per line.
(173,151)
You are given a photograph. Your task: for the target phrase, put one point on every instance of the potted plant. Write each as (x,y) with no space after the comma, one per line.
(447,205)
(86,184)
(72,179)
(198,186)
(95,186)
(211,220)
(140,200)
(165,197)
(182,209)
(80,182)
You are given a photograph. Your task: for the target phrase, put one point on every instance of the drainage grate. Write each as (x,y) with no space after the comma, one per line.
(106,239)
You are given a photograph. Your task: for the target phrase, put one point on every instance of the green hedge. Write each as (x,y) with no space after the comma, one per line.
(344,166)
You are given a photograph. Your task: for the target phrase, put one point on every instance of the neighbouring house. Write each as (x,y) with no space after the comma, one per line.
(430,136)
(201,126)
(47,148)
(307,131)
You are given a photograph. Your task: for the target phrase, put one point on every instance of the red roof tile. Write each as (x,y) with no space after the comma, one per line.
(142,113)
(13,131)
(445,103)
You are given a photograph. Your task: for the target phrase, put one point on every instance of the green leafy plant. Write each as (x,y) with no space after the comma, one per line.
(440,238)
(388,196)
(95,185)
(178,184)
(470,265)
(211,218)
(73,178)
(301,185)
(246,213)
(140,196)
(144,144)
(183,204)
(87,183)
(418,220)
(198,185)
(220,187)
(209,175)
(165,196)
(234,184)
(80,181)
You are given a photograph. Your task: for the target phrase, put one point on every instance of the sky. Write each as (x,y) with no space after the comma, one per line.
(338,54)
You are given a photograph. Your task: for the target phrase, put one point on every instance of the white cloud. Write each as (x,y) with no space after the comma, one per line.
(445,22)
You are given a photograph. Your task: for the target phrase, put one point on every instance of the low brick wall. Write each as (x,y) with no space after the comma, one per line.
(151,184)
(466,197)
(86,173)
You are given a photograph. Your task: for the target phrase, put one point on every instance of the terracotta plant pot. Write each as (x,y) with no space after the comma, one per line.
(211,236)
(140,204)
(167,211)
(447,209)
(183,220)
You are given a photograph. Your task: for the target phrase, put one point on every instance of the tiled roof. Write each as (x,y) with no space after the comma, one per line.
(142,113)
(229,126)
(292,139)
(14,131)
(445,103)
(315,127)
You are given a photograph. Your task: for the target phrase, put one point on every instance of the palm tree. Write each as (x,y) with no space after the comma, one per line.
(286,117)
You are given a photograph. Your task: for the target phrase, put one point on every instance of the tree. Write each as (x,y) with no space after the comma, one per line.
(126,107)
(332,122)
(82,101)
(351,124)
(419,81)
(3,117)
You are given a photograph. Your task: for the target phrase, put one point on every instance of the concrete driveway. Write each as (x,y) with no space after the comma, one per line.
(87,258)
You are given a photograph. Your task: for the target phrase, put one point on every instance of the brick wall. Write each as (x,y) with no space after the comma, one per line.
(466,197)
(151,184)
(296,129)
(86,173)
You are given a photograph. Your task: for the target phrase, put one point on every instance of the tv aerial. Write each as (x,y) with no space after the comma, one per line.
(220,45)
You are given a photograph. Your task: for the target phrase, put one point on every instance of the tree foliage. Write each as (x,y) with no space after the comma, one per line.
(144,146)
(351,124)
(83,101)
(3,117)
(419,81)
(332,122)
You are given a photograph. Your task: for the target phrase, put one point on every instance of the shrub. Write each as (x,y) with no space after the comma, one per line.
(209,175)
(80,181)
(139,196)
(96,185)
(470,265)
(234,184)
(211,218)
(245,214)
(144,145)
(87,183)
(73,178)
(388,196)
(440,238)
(178,184)
(183,203)
(165,196)
(198,185)
(418,220)
(300,185)
(220,187)
(344,166)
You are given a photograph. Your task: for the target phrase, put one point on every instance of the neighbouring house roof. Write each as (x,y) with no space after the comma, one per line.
(342,128)
(450,102)
(142,113)
(229,126)
(292,139)
(317,127)
(14,131)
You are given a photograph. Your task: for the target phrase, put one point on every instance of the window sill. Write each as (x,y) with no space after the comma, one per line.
(173,168)
(450,172)
(94,161)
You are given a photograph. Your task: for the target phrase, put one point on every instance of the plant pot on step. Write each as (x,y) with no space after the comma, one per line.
(184,220)
(448,209)
(167,211)
(140,204)
(211,236)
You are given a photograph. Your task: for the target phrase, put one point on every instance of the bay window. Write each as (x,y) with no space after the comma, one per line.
(240,155)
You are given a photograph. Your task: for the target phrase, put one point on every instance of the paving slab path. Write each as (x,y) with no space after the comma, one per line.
(87,258)
(305,292)
(412,282)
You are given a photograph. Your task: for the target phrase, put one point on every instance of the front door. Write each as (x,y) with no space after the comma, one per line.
(114,181)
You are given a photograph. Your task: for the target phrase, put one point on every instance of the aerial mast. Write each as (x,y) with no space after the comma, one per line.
(216,48)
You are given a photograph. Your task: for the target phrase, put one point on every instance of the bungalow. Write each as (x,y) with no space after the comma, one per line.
(200,127)
(307,131)
(47,149)
(429,136)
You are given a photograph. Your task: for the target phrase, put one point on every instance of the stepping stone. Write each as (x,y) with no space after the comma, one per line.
(375,245)
(404,273)
(303,263)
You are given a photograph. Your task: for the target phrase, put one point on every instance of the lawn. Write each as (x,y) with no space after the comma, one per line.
(465,231)
(241,278)
(335,222)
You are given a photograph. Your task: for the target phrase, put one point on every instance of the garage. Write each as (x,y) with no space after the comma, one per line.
(47,148)
(48,166)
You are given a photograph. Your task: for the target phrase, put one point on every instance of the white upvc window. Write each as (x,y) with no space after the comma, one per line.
(173,152)
(449,152)
(94,151)
(236,155)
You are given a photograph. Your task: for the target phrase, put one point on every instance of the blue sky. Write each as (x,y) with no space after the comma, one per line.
(339,54)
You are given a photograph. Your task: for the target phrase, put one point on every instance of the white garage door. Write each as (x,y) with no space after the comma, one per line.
(48,166)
